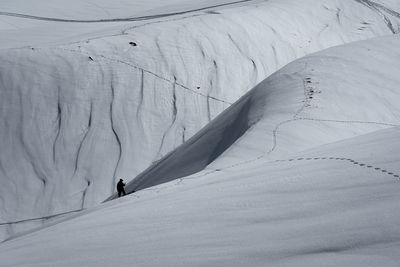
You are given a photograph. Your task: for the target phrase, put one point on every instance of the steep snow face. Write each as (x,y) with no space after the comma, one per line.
(336,94)
(77,117)
(333,205)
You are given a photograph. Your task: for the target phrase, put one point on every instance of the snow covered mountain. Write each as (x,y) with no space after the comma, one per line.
(88,97)
(333,95)
(279,196)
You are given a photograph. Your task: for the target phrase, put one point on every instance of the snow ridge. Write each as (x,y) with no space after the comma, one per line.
(68,140)
(163,171)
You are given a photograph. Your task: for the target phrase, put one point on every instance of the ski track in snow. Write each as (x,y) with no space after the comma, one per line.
(378,6)
(381,9)
(374,6)
(123,31)
(140,18)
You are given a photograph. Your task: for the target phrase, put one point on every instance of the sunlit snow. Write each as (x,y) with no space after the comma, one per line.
(236,159)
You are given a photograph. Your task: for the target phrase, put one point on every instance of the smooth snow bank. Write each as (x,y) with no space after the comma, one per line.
(334,205)
(325,97)
(77,117)
(103,9)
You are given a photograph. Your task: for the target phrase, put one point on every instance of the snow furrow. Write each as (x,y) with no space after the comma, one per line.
(81,144)
(173,120)
(139,18)
(381,9)
(115,131)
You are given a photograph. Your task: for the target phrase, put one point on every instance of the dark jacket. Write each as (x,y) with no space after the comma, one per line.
(120,186)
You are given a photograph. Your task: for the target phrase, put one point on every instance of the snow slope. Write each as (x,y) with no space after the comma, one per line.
(23,22)
(77,117)
(104,10)
(332,95)
(331,205)
(306,203)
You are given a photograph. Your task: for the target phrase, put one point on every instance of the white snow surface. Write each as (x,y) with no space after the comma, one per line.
(322,98)
(81,107)
(104,10)
(28,23)
(311,182)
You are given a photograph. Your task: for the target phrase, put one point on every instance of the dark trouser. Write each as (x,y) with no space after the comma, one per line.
(122,191)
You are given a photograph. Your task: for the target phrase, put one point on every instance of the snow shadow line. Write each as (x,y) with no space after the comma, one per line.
(296,117)
(140,18)
(306,102)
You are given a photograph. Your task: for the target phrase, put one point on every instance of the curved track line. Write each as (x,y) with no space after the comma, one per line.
(295,117)
(378,6)
(349,160)
(149,72)
(380,9)
(140,18)
(275,137)
(306,102)
(352,161)
(350,122)
(41,218)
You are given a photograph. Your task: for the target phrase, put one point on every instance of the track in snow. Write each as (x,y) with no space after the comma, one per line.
(140,18)
(352,161)
(119,61)
(296,117)
(40,218)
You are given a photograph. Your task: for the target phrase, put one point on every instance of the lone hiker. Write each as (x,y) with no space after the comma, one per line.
(120,187)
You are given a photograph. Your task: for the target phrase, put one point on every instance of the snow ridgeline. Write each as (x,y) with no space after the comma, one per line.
(316,204)
(329,96)
(75,118)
